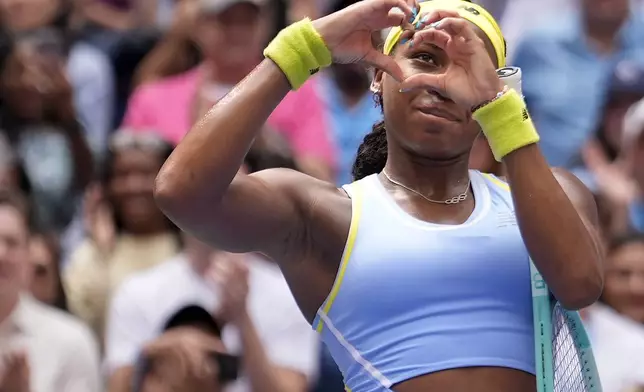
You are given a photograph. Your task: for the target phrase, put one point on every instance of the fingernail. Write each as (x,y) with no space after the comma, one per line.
(414,13)
(411,43)
(435,24)
(404,90)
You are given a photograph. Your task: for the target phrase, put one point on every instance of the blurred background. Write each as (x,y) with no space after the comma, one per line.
(94,94)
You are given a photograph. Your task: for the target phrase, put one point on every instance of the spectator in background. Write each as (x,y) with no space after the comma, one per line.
(42,349)
(143,305)
(634,162)
(604,156)
(567,64)
(616,325)
(39,121)
(126,231)
(12,173)
(107,20)
(89,70)
(286,346)
(44,256)
(191,333)
(349,105)
(175,52)
(620,181)
(231,36)
(624,285)
(351,112)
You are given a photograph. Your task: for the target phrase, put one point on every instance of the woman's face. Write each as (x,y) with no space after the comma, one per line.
(421,121)
(624,284)
(45,282)
(130,190)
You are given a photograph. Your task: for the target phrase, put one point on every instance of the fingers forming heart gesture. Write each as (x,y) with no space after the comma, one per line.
(471,78)
(347,33)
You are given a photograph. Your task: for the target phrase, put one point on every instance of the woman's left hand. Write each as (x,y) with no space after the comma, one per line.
(470,78)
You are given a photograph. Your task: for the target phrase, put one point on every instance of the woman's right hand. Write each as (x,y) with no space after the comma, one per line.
(347,33)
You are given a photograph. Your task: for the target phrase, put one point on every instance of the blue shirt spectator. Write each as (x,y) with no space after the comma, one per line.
(637,216)
(351,111)
(566,77)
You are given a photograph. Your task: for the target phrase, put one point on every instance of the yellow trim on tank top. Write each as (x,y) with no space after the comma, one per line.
(356,211)
(501,184)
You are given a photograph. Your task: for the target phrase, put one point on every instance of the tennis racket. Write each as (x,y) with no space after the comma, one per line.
(564,357)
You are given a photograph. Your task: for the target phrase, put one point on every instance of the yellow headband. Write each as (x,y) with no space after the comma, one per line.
(470,11)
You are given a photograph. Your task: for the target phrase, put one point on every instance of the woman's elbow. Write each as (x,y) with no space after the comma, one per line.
(167,191)
(582,291)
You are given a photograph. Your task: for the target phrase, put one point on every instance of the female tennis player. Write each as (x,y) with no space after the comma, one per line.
(417,275)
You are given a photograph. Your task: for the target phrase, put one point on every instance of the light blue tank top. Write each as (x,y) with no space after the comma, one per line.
(412,298)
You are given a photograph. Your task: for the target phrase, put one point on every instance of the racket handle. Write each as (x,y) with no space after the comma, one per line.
(511,76)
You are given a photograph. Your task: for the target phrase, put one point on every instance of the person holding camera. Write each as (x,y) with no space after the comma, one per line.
(207,305)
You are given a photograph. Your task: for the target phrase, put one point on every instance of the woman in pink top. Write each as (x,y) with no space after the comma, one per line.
(230,35)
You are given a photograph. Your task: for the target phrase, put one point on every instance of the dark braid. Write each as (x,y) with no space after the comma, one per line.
(372,153)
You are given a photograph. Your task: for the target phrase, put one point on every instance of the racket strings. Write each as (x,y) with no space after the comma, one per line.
(568,365)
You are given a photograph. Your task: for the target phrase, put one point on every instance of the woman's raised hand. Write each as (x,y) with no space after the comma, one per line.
(471,78)
(347,33)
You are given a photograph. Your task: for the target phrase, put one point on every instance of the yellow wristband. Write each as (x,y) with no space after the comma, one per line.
(299,51)
(507,124)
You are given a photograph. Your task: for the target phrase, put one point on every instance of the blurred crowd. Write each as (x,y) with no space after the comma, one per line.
(100,292)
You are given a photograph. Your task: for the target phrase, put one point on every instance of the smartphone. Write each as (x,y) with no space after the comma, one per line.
(228,366)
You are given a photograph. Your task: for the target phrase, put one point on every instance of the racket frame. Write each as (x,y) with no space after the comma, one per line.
(543,305)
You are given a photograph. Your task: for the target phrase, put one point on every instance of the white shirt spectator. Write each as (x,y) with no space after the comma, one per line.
(141,307)
(61,351)
(618,346)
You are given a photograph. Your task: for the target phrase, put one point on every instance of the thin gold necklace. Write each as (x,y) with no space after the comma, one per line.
(453,200)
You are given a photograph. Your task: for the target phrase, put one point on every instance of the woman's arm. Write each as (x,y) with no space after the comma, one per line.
(558,219)
(198,186)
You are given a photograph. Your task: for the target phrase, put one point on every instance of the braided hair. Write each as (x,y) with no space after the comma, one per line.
(372,153)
